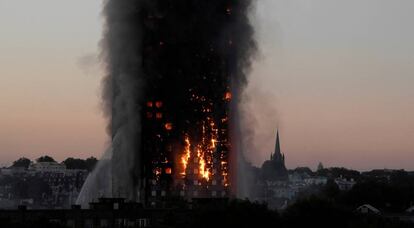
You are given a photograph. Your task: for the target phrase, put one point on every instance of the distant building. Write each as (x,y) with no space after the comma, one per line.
(54,185)
(298,177)
(12,171)
(47,167)
(316,180)
(272,181)
(275,168)
(344,184)
(102,214)
(368,209)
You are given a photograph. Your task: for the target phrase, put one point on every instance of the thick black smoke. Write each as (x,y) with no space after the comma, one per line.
(168,50)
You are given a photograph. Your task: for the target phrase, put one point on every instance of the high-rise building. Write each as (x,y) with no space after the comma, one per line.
(176,72)
(185,126)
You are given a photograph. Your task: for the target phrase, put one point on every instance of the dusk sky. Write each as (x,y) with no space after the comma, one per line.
(336,77)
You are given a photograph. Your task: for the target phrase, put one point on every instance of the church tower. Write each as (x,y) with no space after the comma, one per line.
(275,168)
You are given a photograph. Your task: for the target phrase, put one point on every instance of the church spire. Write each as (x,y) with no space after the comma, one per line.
(278,154)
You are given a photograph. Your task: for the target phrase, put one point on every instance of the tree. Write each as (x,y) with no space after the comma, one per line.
(75,163)
(306,170)
(45,159)
(90,163)
(22,162)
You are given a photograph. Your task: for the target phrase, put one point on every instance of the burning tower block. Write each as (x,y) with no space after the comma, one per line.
(189,58)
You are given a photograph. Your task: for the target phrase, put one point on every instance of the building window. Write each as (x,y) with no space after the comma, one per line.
(158,104)
(195,182)
(182,193)
(195,171)
(154,193)
(168,171)
(143,223)
(214,193)
(195,193)
(168,126)
(214,182)
(104,223)
(163,193)
(158,115)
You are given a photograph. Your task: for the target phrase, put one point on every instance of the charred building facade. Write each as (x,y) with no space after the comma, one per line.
(187,64)
(185,138)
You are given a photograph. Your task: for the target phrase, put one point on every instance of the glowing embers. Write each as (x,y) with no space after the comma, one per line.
(158,115)
(158,104)
(168,126)
(227,96)
(168,171)
(213,143)
(154,109)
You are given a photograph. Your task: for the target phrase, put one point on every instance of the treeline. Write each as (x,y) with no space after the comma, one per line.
(332,172)
(391,191)
(70,163)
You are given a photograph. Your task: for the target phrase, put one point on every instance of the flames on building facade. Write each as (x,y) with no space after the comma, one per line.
(190,161)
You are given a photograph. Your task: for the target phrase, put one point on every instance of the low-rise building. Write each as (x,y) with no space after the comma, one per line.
(316,180)
(344,184)
(368,209)
(47,167)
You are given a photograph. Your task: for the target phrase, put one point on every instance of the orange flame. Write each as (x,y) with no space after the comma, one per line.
(205,150)
(186,156)
(168,126)
(204,172)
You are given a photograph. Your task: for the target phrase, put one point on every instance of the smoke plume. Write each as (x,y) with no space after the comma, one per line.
(169,50)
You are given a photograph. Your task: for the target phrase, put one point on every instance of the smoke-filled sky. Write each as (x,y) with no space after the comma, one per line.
(335,76)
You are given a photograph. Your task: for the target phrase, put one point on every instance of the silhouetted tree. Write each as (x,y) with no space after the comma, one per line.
(45,158)
(75,163)
(22,162)
(90,163)
(306,170)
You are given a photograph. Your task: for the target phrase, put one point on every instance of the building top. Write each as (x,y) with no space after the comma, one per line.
(47,167)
